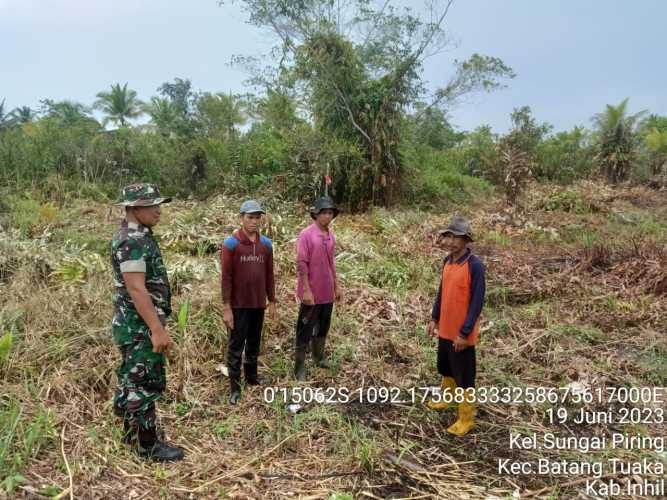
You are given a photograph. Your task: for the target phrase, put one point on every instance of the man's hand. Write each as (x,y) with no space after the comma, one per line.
(161,340)
(273,312)
(338,293)
(228,317)
(460,343)
(433,328)
(308,298)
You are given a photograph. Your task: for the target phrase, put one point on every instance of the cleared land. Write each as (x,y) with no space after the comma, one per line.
(576,293)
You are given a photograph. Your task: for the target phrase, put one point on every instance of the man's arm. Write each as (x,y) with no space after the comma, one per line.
(270,276)
(477,292)
(135,283)
(435,311)
(433,325)
(226,280)
(338,295)
(270,282)
(226,276)
(302,266)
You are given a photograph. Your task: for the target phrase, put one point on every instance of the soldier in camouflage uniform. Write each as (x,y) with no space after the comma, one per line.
(142,303)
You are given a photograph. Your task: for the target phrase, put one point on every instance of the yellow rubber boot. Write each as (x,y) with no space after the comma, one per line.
(466,420)
(448,385)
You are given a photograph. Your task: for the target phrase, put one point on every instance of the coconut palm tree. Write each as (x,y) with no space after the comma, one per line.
(67,113)
(617,140)
(164,114)
(221,114)
(23,114)
(119,105)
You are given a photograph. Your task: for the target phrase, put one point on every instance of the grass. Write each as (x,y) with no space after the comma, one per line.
(21,438)
(577,333)
(498,238)
(6,344)
(653,362)
(29,215)
(539,328)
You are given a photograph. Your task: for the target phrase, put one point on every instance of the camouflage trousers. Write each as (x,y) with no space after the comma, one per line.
(141,374)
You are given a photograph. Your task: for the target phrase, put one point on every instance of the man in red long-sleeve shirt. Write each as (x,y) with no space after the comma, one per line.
(247,282)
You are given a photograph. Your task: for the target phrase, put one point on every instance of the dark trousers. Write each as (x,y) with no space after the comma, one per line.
(313,321)
(461,366)
(247,334)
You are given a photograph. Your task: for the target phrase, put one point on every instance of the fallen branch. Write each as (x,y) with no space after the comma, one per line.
(69,490)
(237,471)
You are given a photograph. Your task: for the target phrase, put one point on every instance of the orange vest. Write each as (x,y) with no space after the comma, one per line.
(454,302)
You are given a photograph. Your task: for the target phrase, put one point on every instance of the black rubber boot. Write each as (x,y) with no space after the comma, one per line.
(318,352)
(250,373)
(300,363)
(234,391)
(151,448)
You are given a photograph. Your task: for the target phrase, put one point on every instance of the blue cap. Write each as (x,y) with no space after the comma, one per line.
(251,207)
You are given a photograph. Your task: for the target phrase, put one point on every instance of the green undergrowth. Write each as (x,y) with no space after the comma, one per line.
(22,437)
(389,269)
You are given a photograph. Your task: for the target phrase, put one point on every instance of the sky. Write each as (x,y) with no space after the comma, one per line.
(571,57)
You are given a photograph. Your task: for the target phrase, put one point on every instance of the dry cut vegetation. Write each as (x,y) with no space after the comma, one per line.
(577,293)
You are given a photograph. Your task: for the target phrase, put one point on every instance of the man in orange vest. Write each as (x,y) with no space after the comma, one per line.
(455,318)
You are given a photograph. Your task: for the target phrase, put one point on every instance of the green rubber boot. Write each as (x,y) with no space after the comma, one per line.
(318,352)
(300,363)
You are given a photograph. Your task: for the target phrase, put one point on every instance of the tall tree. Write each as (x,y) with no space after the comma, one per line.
(529,134)
(119,105)
(617,140)
(431,127)
(182,104)
(359,70)
(163,114)
(23,114)
(565,156)
(656,142)
(176,113)
(67,113)
(220,114)
(5,118)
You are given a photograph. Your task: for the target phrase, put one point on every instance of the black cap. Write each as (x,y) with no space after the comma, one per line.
(323,203)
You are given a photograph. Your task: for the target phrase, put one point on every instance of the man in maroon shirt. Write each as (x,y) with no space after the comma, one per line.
(247,282)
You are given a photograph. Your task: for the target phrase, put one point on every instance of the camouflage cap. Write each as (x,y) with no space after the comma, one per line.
(141,195)
(458,227)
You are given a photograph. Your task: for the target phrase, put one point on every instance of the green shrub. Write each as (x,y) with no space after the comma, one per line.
(21,438)
(435,179)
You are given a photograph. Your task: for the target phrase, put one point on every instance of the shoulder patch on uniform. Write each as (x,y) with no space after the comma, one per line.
(266,242)
(133,266)
(231,243)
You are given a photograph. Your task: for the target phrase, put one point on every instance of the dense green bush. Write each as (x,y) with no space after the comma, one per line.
(194,145)
(437,177)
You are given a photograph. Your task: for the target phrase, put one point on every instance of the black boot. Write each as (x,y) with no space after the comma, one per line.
(234,391)
(152,448)
(250,373)
(318,351)
(300,363)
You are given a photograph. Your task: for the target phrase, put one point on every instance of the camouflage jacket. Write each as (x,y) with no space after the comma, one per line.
(134,249)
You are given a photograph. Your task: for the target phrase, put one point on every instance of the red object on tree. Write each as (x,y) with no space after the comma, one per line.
(327,179)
